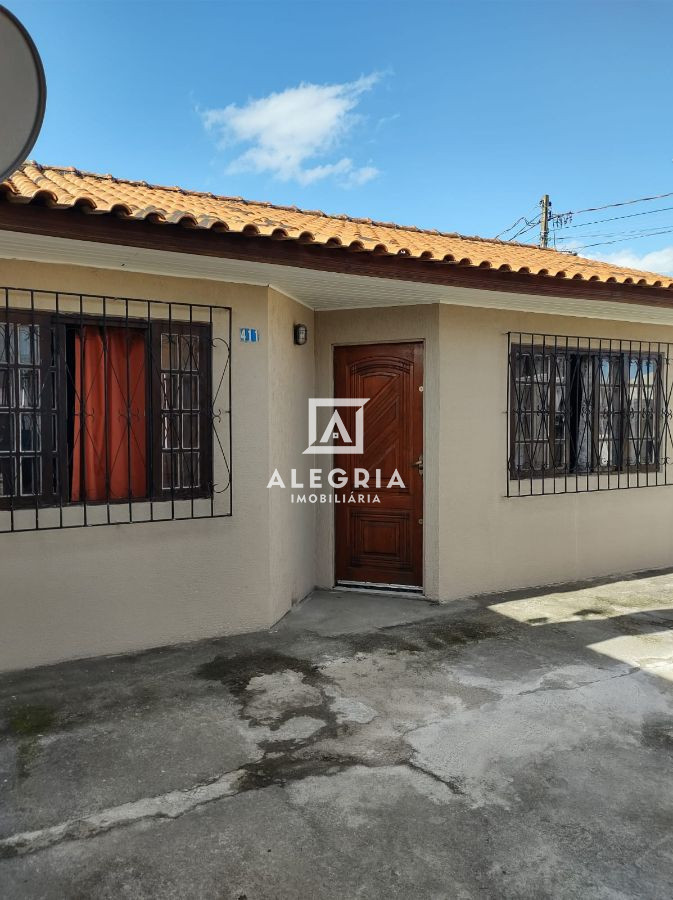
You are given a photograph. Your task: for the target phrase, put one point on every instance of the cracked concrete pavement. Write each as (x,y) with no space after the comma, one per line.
(367,746)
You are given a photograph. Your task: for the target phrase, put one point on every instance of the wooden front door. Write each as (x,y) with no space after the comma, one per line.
(382,543)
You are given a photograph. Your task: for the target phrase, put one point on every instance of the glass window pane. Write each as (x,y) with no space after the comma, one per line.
(170,470)
(581,394)
(560,454)
(533,457)
(189,351)
(609,374)
(6,342)
(168,401)
(30,476)
(169,351)
(648,368)
(529,366)
(30,433)
(521,366)
(559,428)
(190,391)
(523,428)
(6,432)
(190,470)
(171,432)
(7,482)
(540,367)
(6,385)
(29,388)
(190,431)
(29,344)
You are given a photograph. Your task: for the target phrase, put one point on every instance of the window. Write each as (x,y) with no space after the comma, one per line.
(182,457)
(27,403)
(101,406)
(582,407)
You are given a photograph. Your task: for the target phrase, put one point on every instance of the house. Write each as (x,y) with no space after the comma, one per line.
(168,360)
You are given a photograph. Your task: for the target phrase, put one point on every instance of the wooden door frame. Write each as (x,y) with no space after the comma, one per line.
(422,342)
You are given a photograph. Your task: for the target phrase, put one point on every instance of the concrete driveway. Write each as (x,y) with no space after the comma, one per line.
(368,747)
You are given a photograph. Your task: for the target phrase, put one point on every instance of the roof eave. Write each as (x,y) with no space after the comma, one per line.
(78,223)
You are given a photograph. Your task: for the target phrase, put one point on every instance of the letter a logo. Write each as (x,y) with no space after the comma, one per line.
(335,427)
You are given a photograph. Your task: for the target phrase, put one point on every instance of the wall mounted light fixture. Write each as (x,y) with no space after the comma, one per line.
(300,334)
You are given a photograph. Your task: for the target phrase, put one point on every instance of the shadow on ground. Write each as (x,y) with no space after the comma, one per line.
(515,746)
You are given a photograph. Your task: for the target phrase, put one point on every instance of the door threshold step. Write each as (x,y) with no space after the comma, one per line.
(371,588)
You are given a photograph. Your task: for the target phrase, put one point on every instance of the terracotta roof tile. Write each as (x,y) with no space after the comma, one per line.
(62,188)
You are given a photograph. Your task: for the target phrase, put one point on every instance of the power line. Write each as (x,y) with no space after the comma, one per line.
(634,232)
(524,219)
(504,231)
(615,237)
(612,205)
(561,221)
(647,212)
(528,227)
(621,240)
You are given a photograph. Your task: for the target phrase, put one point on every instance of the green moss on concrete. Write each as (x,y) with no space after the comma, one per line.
(29,721)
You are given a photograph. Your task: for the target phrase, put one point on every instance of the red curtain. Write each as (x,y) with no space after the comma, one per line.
(109,365)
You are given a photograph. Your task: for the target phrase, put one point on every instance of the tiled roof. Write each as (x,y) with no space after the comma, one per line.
(62,188)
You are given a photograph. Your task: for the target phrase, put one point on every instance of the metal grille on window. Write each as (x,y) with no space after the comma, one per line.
(586,414)
(112,410)
(180,428)
(25,406)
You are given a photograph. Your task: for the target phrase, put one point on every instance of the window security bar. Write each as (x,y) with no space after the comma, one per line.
(587,414)
(112,410)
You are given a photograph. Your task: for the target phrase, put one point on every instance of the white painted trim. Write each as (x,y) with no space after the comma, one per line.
(275,287)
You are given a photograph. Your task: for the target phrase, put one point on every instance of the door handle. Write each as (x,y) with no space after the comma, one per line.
(418,464)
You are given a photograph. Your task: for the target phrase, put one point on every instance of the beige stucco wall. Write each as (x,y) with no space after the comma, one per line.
(292,537)
(489,542)
(476,540)
(84,592)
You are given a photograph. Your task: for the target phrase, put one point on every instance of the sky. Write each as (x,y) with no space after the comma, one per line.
(449,115)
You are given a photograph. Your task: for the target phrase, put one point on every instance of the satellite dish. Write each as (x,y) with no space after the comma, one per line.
(23,93)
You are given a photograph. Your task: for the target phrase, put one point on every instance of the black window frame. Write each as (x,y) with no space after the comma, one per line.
(39,413)
(203,332)
(580,402)
(55,452)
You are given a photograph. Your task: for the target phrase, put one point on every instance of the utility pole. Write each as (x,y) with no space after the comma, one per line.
(544,221)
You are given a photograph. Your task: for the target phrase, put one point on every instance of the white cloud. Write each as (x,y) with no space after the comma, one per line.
(659,261)
(289,134)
